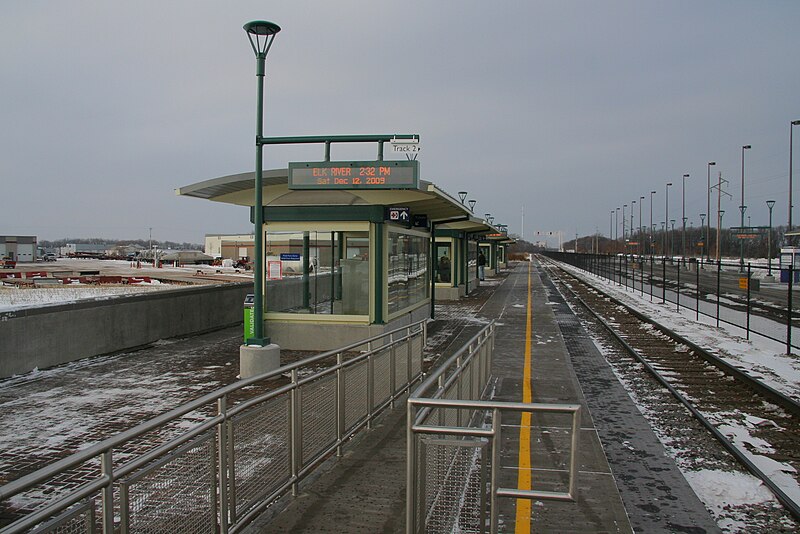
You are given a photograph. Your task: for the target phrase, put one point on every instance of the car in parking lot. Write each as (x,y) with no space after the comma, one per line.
(49,257)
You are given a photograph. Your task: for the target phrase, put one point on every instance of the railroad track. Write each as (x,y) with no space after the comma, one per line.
(758,426)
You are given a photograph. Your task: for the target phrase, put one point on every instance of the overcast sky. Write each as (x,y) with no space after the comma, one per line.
(568,108)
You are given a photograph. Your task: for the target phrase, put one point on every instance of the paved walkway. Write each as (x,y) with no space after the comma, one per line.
(626,481)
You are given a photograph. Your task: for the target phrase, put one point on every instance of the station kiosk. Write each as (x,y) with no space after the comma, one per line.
(348,247)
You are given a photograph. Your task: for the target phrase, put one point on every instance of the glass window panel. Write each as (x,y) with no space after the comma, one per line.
(310,272)
(444,262)
(408,270)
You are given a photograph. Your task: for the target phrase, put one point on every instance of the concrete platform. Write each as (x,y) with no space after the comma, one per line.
(626,481)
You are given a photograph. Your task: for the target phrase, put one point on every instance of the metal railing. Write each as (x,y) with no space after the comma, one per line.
(454,444)
(214,464)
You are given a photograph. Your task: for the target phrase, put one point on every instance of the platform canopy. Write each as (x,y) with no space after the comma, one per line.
(440,208)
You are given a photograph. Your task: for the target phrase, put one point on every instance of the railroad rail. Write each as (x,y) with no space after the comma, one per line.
(704,383)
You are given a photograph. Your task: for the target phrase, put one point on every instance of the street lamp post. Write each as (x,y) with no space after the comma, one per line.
(742,207)
(672,239)
(652,227)
(666,215)
(703,239)
(611,226)
(791,128)
(630,232)
(641,227)
(708,205)
(624,218)
(683,217)
(261,35)
(770,205)
(616,231)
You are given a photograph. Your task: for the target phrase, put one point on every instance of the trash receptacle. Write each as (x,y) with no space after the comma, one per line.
(249,320)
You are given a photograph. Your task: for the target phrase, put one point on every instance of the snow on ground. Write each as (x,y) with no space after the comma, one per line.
(14,298)
(18,298)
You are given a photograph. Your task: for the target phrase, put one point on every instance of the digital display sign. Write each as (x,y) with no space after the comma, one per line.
(354,175)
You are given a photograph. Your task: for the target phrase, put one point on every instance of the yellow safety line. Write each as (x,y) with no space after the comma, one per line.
(523,519)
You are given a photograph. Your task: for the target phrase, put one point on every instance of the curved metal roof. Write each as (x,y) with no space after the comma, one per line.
(427,198)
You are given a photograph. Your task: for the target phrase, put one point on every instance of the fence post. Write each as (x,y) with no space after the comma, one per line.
(697,293)
(392,371)
(641,266)
(294,433)
(789,312)
(107,469)
(626,272)
(678,290)
(339,403)
(719,271)
(493,483)
(222,468)
(749,279)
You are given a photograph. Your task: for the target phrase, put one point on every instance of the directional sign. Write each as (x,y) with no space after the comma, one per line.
(398,214)
(288,256)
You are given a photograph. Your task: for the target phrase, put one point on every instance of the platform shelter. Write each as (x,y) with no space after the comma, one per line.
(348,247)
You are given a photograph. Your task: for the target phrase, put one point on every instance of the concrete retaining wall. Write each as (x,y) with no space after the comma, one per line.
(52,335)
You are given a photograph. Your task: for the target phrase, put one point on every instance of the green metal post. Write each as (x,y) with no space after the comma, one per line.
(258,275)
(261,34)
(306,263)
(379,271)
(333,269)
(340,238)
(433,267)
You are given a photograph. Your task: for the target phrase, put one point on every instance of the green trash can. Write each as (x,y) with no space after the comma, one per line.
(249,320)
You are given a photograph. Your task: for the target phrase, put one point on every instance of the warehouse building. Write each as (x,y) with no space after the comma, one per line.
(20,248)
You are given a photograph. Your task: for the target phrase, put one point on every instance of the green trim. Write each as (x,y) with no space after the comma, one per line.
(372,213)
(380,281)
(449,233)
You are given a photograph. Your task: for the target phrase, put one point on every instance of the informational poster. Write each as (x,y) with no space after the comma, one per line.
(274,270)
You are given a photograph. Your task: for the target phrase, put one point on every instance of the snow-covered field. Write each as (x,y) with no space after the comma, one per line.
(14,298)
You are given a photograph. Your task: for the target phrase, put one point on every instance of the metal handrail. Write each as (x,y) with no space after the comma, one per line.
(388,341)
(428,397)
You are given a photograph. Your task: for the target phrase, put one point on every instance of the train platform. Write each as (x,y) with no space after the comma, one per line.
(626,481)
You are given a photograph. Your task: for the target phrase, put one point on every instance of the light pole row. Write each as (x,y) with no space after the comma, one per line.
(705,230)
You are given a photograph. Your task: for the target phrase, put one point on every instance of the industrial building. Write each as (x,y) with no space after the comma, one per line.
(20,248)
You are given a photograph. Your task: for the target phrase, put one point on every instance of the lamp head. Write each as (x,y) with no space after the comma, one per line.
(795,123)
(669,184)
(462,195)
(685,175)
(747,147)
(770,203)
(261,34)
(712,163)
(472,203)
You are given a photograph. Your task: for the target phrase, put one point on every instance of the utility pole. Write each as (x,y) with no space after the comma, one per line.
(718,186)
